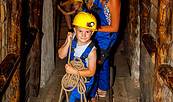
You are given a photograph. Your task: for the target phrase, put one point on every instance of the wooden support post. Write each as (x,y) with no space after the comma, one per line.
(35,20)
(146,51)
(162,43)
(147,39)
(3,36)
(14,28)
(13,42)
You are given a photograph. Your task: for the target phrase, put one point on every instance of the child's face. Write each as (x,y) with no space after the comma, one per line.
(83,35)
(89,4)
(76,5)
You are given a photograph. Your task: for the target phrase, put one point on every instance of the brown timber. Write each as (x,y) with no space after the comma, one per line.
(162,44)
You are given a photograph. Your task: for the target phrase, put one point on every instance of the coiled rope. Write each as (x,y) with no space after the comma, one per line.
(70,81)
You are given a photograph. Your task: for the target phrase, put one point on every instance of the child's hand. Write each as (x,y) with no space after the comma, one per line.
(69,69)
(69,36)
(59,7)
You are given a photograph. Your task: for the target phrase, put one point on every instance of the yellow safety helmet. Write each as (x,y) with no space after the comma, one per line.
(91,0)
(77,0)
(85,20)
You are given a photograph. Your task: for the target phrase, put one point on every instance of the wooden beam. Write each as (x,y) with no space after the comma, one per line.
(162,45)
(166,73)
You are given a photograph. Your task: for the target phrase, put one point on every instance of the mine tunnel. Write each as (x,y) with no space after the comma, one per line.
(31,32)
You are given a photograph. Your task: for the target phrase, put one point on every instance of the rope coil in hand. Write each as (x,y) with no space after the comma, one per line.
(72,81)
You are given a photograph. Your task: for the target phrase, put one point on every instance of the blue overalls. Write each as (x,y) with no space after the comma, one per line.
(105,41)
(76,12)
(75,96)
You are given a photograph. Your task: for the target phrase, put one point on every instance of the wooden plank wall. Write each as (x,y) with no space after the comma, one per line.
(10,41)
(146,53)
(3,30)
(134,40)
(14,31)
(33,57)
(156,46)
(163,43)
(14,41)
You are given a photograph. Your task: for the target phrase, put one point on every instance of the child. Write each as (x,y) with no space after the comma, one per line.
(89,4)
(85,25)
(67,6)
(78,7)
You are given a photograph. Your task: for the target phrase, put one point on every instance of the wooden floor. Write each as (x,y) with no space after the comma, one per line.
(122,89)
